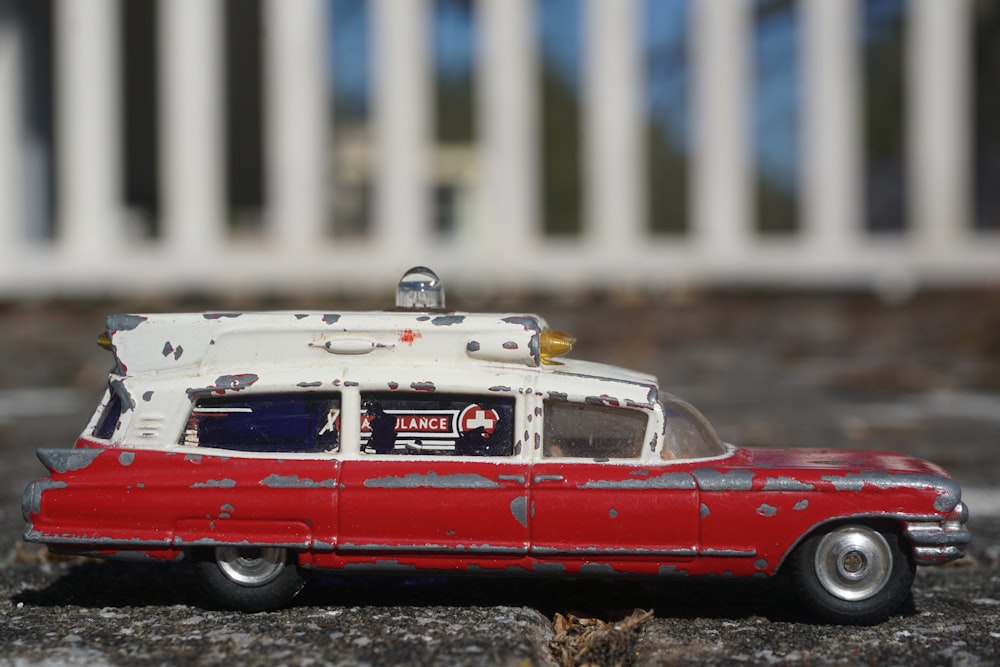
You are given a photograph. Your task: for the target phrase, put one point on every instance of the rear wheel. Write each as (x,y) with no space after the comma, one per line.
(250,578)
(853,574)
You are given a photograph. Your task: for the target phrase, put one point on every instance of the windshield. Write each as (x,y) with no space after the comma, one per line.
(687,434)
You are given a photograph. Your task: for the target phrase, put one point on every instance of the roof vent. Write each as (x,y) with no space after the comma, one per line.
(420,289)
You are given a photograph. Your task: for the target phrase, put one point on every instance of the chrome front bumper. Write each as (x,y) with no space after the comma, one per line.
(939,542)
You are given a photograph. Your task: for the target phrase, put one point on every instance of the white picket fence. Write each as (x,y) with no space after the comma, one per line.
(502,245)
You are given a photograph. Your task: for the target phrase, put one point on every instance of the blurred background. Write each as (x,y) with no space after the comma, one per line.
(155,147)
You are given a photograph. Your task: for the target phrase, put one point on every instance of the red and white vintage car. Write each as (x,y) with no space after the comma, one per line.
(264,445)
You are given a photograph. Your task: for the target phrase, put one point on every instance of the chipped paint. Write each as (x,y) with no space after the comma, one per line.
(169,349)
(115,323)
(517,479)
(433,480)
(118,386)
(666,481)
(423,386)
(519,508)
(613,513)
(761,564)
(307,385)
(786,484)
(949,492)
(729,553)
(558,396)
(276,481)
(767,510)
(614,551)
(126,458)
(225,383)
(147,396)
(66,460)
(447,320)
(31,499)
(382,565)
(331,318)
(801,505)
(603,400)
(500,388)
(510,345)
(539,479)
(713,480)
(597,568)
(219,316)
(473,346)
(529,323)
(226,483)
(704,511)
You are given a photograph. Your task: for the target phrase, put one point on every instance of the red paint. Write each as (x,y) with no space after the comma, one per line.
(642,518)
(408,336)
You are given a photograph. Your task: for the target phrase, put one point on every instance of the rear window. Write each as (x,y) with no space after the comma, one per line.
(308,423)
(592,431)
(110,415)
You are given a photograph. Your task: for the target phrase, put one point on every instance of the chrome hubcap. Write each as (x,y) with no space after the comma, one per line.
(853,563)
(250,566)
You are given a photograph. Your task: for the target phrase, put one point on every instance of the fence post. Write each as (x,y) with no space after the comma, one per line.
(191,132)
(720,63)
(612,157)
(11,176)
(938,72)
(88,162)
(402,129)
(831,200)
(508,130)
(297,132)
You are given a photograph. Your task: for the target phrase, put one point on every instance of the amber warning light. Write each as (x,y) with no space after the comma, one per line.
(553,344)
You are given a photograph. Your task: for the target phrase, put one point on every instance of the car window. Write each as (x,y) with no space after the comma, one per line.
(438,425)
(304,422)
(688,434)
(592,431)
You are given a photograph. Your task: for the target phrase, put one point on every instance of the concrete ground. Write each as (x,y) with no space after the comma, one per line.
(786,370)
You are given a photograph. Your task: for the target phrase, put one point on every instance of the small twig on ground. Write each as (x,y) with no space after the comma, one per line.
(590,641)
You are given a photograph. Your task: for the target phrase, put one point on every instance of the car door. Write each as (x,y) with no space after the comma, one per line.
(435,474)
(593,498)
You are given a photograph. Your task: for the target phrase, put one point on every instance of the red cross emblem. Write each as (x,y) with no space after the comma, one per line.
(474,416)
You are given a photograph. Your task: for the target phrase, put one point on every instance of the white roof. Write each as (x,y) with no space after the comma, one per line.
(201,342)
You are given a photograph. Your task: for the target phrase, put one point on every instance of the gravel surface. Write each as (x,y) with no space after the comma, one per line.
(833,370)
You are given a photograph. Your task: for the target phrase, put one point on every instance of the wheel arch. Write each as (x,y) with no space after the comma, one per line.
(879,521)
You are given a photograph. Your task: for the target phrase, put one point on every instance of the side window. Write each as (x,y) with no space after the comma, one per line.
(307,422)
(592,431)
(108,420)
(432,424)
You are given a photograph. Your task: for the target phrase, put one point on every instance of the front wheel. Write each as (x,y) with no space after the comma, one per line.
(250,578)
(853,574)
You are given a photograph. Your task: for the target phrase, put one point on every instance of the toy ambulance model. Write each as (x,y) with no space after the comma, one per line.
(264,445)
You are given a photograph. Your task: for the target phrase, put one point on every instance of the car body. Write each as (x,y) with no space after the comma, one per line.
(264,445)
